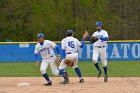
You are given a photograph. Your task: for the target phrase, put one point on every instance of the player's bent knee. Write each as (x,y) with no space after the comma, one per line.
(104,64)
(43,71)
(75,67)
(61,67)
(55,72)
(95,61)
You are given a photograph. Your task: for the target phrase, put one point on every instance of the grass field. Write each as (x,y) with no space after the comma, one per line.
(29,69)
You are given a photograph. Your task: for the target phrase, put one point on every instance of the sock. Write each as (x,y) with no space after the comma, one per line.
(105,70)
(61,72)
(46,77)
(97,66)
(77,70)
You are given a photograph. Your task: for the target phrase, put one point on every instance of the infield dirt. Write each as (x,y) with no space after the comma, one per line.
(91,85)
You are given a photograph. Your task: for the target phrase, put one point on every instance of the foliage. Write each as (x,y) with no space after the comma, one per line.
(22,20)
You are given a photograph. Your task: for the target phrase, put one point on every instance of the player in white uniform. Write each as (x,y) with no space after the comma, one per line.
(46,49)
(70,50)
(99,48)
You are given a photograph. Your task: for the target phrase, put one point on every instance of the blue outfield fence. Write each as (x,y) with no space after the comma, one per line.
(24,51)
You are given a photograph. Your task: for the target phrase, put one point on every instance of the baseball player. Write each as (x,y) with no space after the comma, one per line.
(46,49)
(70,50)
(99,48)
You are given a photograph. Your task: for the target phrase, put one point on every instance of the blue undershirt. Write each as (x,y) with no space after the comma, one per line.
(82,44)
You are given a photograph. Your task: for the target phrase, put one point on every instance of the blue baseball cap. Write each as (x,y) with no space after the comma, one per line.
(40,35)
(99,24)
(69,32)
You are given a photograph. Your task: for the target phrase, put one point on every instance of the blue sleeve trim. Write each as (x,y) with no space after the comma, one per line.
(104,38)
(63,54)
(88,37)
(83,42)
(57,50)
(36,57)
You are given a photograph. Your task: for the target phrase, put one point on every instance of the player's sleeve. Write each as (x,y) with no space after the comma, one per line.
(63,54)
(52,44)
(36,53)
(79,44)
(63,49)
(94,34)
(104,37)
(36,50)
(105,34)
(63,46)
(88,37)
(57,50)
(36,57)
(82,43)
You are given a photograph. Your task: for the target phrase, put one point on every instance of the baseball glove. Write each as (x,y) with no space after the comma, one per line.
(57,60)
(68,62)
(94,39)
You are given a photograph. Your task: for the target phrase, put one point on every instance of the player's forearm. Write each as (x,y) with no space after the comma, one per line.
(57,50)
(83,42)
(63,54)
(89,39)
(104,38)
(36,57)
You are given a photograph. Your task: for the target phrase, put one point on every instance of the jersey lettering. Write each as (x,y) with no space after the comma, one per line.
(47,49)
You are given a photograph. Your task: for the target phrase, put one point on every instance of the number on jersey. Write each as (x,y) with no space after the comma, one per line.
(71,44)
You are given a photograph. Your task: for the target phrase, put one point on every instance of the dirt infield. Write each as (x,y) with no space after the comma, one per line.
(91,85)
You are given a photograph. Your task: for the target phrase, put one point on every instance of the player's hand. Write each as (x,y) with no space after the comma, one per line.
(57,60)
(86,34)
(37,63)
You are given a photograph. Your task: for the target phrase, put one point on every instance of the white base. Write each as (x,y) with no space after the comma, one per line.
(23,84)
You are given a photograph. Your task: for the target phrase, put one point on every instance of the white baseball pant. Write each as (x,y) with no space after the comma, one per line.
(102,52)
(46,62)
(74,57)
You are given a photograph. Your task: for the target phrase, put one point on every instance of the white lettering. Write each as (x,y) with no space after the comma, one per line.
(125,48)
(23,45)
(134,50)
(115,52)
(88,51)
(80,52)
(106,51)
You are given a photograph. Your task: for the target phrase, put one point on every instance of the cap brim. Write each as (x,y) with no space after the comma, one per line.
(98,25)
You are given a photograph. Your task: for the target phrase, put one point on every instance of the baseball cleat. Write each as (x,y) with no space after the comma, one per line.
(49,83)
(66,81)
(66,75)
(99,74)
(105,78)
(81,81)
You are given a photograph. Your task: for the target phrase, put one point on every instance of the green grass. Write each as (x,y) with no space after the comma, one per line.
(29,69)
